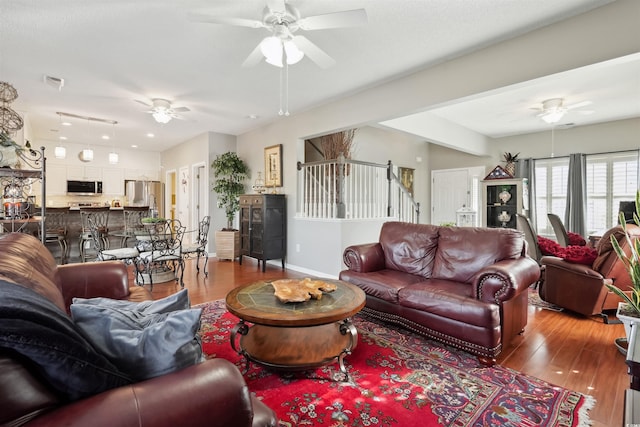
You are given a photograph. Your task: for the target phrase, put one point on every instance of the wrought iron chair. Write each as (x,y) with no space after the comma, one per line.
(55,230)
(127,255)
(132,223)
(85,240)
(199,247)
(161,252)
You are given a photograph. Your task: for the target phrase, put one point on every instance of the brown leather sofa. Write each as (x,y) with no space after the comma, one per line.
(466,287)
(210,393)
(581,288)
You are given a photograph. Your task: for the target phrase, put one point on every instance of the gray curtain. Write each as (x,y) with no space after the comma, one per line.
(525,168)
(574,217)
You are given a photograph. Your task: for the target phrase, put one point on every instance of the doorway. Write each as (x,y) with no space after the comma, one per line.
(453,189)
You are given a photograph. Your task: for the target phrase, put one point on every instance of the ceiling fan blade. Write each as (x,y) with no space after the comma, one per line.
(181,109)
(146,104)
(238,22)
(276,6)
(578,105)
(254,57)
(348,18)
(314,53)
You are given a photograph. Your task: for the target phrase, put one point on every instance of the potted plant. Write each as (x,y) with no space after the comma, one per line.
(629,310)
(229,172)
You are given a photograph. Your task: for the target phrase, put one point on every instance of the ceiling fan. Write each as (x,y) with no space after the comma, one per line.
(282,20)
(162,110)
(553,110)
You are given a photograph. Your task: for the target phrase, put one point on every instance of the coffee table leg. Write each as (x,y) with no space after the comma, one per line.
(347,327)
(242,329)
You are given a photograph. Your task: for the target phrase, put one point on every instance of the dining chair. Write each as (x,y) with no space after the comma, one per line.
(127,255)
(56,229)
(132,219)
(199,247)
(162,252)
(560,231)
(85,240)
(533,248)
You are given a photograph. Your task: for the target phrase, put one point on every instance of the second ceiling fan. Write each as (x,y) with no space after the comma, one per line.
(283,20)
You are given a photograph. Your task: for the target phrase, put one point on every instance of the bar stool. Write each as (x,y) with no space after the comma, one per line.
(100,217)
(55,230)
(132,223)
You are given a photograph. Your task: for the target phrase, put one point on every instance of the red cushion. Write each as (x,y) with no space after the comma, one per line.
(576,254)
(548,246)
(580,254)
(575,239)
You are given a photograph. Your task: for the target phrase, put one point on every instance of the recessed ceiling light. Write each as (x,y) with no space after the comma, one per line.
(64,138)
(134,146)
(65,124)
(252,116)
(105,137)
(150,135)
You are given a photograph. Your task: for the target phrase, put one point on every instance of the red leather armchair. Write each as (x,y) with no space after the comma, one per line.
(210,393)
(581,288)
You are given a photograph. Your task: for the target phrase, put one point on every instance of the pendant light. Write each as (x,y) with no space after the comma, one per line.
(113,156)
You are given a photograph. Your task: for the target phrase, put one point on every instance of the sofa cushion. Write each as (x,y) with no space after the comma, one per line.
(144,340)
(450,300)
(409,248)
(383,284)
(464,251)
(42,333)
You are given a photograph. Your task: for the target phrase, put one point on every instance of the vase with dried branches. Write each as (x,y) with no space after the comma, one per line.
(338,146)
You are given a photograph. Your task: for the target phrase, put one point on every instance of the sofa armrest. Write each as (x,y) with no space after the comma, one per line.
(505,279)
(107,279)
(571,268)
(364,258)
(212,392)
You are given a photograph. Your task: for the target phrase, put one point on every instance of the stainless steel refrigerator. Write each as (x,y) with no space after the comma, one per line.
(145,193)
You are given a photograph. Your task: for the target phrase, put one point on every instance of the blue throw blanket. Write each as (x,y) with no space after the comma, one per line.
(41,332)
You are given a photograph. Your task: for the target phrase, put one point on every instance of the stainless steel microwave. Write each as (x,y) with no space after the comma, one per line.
(86,188)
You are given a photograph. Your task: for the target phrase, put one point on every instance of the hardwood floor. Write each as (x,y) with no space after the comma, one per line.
(564,349)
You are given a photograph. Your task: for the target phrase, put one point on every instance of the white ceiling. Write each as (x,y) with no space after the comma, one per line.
(113,52)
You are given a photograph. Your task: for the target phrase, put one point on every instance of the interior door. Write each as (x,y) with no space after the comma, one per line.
(184,183)
(451,190)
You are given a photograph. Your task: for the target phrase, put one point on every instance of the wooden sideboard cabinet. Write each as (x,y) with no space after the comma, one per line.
(263,227)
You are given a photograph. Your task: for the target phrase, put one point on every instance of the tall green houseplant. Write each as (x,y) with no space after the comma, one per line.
(631,263)
(229,172)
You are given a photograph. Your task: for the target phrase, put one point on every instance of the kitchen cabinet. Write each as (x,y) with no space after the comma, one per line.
(113,182)
(84,173)
(56,180)
(502,199)
(263,227)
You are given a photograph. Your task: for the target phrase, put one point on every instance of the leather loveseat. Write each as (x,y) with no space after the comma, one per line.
(209,393)
(466,287)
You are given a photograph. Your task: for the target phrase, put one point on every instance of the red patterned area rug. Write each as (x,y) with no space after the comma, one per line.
(400,379)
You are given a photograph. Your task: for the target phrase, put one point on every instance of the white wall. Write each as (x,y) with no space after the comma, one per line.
(202,148)
(609,32)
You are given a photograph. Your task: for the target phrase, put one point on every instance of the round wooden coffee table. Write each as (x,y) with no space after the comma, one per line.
(294,336)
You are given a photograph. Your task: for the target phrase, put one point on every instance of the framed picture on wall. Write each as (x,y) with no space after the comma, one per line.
(273,166)
(406,178)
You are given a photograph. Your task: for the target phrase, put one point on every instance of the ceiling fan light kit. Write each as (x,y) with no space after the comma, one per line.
(552,110)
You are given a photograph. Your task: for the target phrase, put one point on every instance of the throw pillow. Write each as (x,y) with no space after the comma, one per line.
(41,332)
(575,239)
(549,247)
(580,255)
(143,344)
(178,301)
